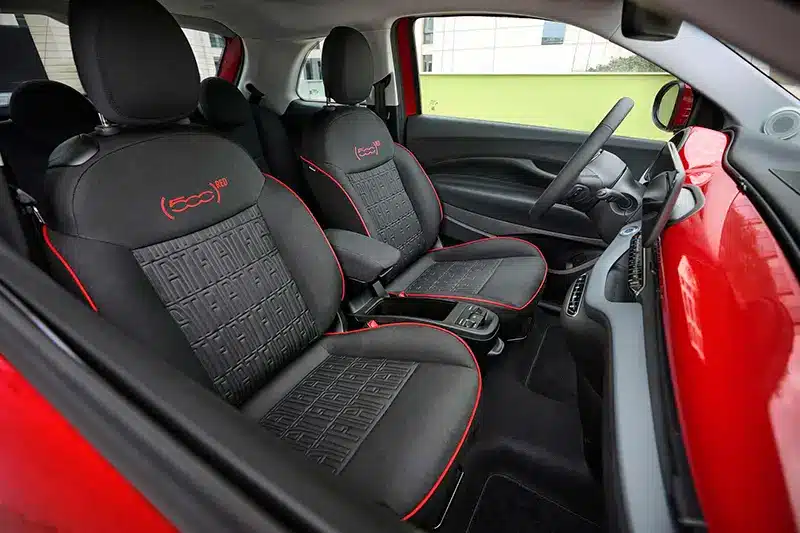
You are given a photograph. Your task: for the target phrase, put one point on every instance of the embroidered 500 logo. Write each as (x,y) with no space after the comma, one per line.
(179,204)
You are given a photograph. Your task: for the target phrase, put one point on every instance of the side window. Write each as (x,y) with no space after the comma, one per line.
(43,51)
(531,71)
(309,83)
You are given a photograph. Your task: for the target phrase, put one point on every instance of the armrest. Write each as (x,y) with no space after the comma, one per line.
(362,258)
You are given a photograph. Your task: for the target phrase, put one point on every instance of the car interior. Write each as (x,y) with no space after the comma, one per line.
(326,304)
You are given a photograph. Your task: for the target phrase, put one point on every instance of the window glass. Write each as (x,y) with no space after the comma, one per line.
(309,85)
(42,50)
(530,71)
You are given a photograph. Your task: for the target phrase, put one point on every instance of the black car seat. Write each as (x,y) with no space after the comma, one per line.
(257,129)
(364,182)
(172,233)
(43,114)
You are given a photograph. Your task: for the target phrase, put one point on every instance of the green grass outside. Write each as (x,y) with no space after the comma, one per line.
(567,101)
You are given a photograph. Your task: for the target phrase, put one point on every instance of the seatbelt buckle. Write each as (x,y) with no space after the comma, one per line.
(28,203)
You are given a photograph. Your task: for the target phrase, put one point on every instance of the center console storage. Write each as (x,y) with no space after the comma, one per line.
(473,323)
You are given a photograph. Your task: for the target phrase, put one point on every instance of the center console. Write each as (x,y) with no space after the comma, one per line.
(366,261)
(475,324)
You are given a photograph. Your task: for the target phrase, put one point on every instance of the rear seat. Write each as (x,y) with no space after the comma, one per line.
(43,114)
(255,128)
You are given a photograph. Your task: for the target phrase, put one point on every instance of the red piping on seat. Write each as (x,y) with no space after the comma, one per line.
(482,300)
(439,200)
(441,477)
(71,272)
(341,273)
(341,188)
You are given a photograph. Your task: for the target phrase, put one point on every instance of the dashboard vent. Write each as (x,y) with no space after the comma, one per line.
(577,295)
(636,265)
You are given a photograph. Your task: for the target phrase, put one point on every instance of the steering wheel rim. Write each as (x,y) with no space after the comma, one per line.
(571,171)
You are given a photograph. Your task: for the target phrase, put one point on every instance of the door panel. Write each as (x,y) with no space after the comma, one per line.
(497,171)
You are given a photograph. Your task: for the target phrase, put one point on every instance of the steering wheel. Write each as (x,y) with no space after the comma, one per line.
(570,173)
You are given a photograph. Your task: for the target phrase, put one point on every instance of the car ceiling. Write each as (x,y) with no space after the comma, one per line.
(306,19)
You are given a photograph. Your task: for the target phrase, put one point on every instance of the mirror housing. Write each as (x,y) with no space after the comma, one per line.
(673,106)
(641,21)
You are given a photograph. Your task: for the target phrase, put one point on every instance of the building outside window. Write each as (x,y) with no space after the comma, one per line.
(427,63)
(553,32)
(217,41)
(427,30)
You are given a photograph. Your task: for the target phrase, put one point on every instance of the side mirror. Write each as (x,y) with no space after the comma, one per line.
(672,106)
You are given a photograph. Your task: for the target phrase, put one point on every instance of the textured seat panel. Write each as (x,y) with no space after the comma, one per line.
(390,210)
(233,297)
(332,410)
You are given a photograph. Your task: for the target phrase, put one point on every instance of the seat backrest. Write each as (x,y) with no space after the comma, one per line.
(171,231)
(257,129)
(361,179)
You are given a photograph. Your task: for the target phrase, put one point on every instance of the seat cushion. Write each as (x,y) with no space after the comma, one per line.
(386,408)
(502,273)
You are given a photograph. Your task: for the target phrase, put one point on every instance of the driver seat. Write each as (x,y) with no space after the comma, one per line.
(366,183)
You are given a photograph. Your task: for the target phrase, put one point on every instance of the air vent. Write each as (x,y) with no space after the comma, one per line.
(636,265)
(576,295)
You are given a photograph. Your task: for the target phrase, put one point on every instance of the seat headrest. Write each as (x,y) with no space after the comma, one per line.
(347,69)
(134,61)
(222,104)
(51,112)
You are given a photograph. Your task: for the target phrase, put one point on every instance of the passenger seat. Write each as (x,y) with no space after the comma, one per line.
(174,235)
(255,128)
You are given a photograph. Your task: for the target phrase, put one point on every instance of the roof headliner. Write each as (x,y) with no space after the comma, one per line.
(305,19)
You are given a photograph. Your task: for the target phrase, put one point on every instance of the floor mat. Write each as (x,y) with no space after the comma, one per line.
(552,373)
(506,506)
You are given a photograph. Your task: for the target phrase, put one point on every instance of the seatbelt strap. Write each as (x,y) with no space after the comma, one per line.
(29,217)
(255,103)
(255,95)
(379,97)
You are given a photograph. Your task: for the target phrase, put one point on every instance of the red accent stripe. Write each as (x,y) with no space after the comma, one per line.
(482,300)
(71,272)
(408,66)
(441,211)
(341,188)
(441,477)
(231,61)
(282,184)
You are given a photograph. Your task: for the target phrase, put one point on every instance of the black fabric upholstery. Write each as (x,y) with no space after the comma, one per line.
(251,319)
(223,105)
(133,60)
(366,183)
(44,114)
(380,407)
(224,108)
(363,259)
(347,69)
(174,234)
(50,112)
(353,172)
(505,274)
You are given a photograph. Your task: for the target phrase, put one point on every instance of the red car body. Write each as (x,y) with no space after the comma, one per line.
(731,307)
